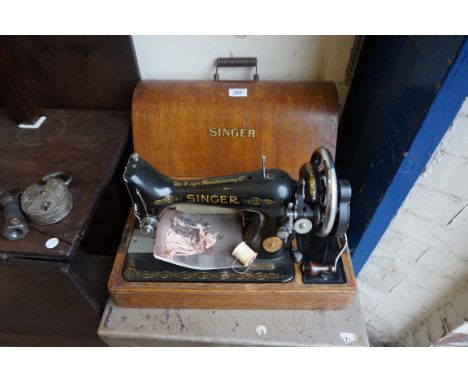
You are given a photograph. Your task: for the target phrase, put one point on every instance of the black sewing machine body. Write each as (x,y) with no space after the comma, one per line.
(262,200)
(300,214)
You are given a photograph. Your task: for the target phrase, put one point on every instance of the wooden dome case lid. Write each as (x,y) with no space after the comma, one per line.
(214,128)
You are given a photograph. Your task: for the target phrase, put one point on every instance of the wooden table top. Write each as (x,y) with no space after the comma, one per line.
(89,144)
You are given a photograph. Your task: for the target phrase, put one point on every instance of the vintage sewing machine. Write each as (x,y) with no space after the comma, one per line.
(282,219)
(200,146)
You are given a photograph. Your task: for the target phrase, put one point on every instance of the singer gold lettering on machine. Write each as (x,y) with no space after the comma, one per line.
(296,216)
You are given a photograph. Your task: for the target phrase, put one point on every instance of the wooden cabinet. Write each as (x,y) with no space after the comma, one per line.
(58,292)
(83,85)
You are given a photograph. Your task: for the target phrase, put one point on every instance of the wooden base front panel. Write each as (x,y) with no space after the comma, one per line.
(44,303)
(292,295)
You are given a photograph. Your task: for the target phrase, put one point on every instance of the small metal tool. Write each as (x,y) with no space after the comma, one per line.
(15,227)
(264,166)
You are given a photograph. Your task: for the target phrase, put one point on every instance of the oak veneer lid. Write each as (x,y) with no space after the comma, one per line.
(198,129)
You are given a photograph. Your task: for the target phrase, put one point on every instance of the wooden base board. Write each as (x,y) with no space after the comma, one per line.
(292,295)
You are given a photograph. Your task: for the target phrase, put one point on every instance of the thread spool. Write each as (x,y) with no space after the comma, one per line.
(244,254)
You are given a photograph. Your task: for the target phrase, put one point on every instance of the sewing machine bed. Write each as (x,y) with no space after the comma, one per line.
(295,294)
(140,265)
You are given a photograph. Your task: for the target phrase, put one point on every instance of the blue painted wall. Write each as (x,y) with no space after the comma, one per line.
(396,82)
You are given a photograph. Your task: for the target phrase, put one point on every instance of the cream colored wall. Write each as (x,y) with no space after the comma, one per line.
(288,58)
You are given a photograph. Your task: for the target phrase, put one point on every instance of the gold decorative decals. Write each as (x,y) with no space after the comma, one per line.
(167,200)
(131,273)
(256,201)
(206,182)
(272,244)
(312,185)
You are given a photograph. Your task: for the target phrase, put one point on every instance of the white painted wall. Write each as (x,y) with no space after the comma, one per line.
(413,287)
(288,58)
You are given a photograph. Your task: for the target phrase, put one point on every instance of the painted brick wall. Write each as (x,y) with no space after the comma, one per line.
(396,81)
(420,265)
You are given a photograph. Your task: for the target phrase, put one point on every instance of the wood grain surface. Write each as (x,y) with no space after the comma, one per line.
(76,72)
(86,143)
(40,298)
(292,295)
(172,121)
(14,93)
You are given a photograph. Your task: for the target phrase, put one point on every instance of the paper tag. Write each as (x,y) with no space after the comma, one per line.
(348,338)
(238,92)
(52,243)
(261,330)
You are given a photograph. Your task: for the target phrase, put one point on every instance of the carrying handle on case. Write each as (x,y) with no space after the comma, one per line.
(236,62)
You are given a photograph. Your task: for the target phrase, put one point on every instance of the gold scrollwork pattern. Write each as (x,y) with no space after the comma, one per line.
(167,200)
(132,273)
(312,185)
(256,201)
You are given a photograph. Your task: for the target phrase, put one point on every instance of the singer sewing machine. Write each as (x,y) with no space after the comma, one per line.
(281,218)
(200,146)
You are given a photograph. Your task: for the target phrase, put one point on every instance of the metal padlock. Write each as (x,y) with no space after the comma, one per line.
(48,203)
